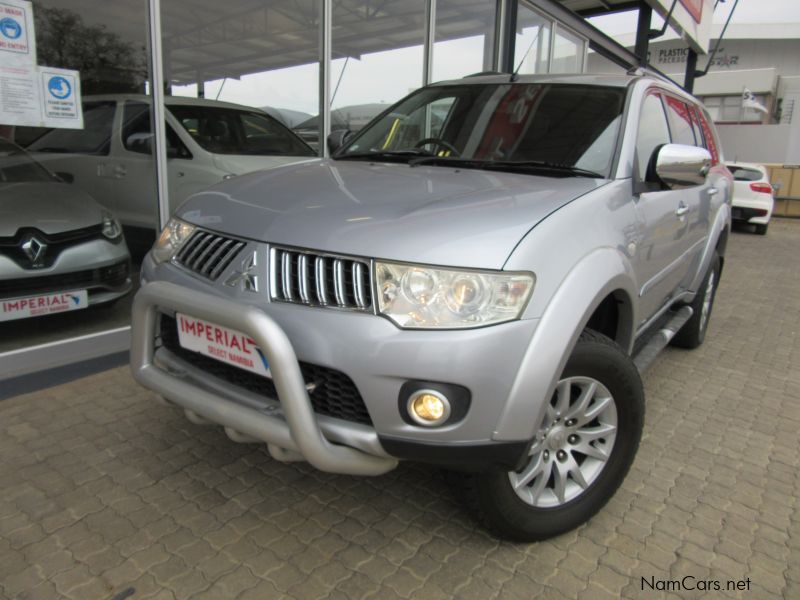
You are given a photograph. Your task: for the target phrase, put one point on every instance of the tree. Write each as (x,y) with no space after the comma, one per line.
(107,63)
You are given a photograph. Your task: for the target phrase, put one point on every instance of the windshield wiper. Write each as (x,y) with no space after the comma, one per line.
(541,165)
(447,160)
(404,155)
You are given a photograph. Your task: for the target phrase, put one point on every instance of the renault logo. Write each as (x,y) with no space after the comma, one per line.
(245,278)
(34,250)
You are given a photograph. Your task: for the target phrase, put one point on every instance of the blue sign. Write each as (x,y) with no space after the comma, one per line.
(59,87)
(9,28)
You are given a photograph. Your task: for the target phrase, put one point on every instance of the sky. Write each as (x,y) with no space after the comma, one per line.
(387,76)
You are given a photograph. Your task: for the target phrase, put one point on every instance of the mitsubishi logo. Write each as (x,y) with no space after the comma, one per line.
(34,250)
(245,278)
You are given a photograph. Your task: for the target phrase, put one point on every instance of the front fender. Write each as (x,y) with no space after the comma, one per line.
(597,275)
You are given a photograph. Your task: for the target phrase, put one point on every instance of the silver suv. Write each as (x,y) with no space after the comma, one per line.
(474,280)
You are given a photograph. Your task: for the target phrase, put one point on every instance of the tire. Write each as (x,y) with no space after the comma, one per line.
(693,332)
(762,229)
(528,516)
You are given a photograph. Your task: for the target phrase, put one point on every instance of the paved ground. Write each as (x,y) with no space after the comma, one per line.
(102,490)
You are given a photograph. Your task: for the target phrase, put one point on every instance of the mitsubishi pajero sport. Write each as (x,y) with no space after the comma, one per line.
(473,280)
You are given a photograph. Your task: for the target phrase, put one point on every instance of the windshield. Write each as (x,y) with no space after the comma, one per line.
(232,131)
(573,127)
(16,166)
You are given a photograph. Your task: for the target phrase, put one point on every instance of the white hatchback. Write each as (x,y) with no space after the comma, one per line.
(752,195)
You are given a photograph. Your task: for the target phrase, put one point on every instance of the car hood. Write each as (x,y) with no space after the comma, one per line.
(239,164)
(424,214)
(50,207)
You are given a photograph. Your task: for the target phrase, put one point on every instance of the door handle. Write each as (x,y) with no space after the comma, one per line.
(713,191)
(120,171)
(682,210)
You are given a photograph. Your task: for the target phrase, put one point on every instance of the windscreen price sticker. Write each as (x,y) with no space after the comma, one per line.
(225,345)
(46,304)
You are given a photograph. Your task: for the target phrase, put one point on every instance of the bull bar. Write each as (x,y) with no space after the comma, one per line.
(298,433)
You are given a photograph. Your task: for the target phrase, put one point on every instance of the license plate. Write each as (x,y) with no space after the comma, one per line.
(221,343)
(43,304)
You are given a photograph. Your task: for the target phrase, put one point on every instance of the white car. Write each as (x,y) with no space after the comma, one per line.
(752,195)
(208,141)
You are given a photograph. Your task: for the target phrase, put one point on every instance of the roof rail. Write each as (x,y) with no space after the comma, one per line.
(484,73)
(644,71)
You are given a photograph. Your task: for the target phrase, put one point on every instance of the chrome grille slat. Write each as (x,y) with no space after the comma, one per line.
(322,280)
(302,277)
(319,266)
(208,254)
(358,284)
(286,275)
(338,278)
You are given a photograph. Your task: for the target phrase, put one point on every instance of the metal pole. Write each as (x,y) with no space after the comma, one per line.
(325,57)
(509,36)
(430,39)
(643,33)
(691,67)
(158,112)
(499,35)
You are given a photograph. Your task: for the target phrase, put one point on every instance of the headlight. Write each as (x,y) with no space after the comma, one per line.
(111,227)
(417,297)
(171,239)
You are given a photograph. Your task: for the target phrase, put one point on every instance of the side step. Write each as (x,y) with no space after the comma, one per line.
(659,340)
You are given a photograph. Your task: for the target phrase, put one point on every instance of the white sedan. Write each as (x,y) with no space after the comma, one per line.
(752,195)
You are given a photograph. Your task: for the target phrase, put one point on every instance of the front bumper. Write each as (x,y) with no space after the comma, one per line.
(291,429)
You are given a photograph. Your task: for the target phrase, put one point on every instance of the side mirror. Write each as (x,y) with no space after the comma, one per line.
(679,166)
(140,142)
(337,139)
(65,177)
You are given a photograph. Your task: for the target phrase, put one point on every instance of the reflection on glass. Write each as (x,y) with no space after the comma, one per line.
(567,52)
(63,253)
(378,55)
(532,48)
(464,38)
(262,56)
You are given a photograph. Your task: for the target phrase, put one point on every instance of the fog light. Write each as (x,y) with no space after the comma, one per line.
(428,407)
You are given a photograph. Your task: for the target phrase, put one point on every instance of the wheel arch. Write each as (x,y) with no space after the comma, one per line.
(602,284)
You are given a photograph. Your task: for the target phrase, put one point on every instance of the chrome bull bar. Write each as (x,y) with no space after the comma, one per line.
(299,433)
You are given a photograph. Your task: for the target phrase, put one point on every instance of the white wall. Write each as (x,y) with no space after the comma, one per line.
(756,143)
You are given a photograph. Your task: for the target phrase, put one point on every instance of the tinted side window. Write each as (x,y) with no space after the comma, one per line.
(708,136)
(653,132)
(680,122)
(94,138)
(698,129)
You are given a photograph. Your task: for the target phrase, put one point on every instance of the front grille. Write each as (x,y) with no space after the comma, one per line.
(315,279)
(55,244)
(104,277)
(208,254)
(334,393)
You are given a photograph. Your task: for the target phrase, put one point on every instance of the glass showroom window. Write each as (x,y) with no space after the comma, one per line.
(242,79)
(464,38)
(377,57)
(69,259)
(532,47)
(568,52)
